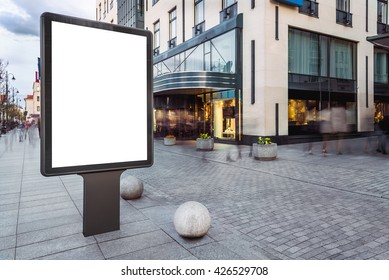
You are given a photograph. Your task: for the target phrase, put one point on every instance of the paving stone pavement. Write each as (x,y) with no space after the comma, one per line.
(299,206)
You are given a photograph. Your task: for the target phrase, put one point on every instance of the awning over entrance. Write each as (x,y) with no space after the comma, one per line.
(195,80)
(381,40)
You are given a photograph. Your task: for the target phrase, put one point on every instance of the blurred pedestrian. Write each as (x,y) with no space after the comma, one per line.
(21,131)
(310,124)
(383,132)
(339,126)
(325,128)
(371,140)
(229,153)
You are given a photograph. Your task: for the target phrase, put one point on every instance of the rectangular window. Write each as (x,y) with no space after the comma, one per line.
(155,2)
(199,12)
(381,67)
(38,108)
(318,55)
(343,14)
(100,11)
(156,35)
(173,24)
(343,5)
(303,52)
(341,59)
(37,98)
(382,11)
(227,3)
(111,5)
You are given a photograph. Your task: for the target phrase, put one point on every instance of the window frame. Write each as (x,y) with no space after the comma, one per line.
(172,21)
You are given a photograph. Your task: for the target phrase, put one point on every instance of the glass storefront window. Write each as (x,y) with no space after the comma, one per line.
(224,115)
(381,110)
(302,112)
(216,55)
(303,52)
(380,67)
(308,55)
(223,53)
(341,59)
(194,59)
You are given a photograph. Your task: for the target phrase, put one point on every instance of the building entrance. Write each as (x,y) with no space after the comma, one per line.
(187,116)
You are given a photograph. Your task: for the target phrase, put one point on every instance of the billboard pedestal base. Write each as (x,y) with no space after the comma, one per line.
(101,202)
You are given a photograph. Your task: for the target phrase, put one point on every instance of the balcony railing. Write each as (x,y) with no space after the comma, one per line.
(344,18)
(310,8)
(229,12)
(382,28)
(198,29)
(156,51)
(172,43)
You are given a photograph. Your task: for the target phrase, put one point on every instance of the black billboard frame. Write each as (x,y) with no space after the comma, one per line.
(46,97)
(101,198)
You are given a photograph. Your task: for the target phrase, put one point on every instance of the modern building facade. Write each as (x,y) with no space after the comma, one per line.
(242,69)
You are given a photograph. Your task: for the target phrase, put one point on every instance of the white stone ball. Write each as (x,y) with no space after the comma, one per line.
(192,219)
(131,188)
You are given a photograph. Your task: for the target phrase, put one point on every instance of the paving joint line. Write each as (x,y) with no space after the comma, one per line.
(20,197)
(278,175)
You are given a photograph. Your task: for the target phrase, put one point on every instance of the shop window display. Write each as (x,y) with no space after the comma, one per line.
(380,111)
(302,112)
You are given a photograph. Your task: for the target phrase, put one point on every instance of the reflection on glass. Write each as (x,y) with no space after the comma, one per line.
(199,11)
(302,112)
(308,55)
(216,55)
(380,67)
(341,59)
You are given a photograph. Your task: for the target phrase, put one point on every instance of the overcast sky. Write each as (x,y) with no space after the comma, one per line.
(19,34)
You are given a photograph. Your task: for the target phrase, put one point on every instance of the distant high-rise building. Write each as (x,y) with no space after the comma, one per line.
(123,12)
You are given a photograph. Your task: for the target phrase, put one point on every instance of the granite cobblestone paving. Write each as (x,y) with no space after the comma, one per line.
(297,207)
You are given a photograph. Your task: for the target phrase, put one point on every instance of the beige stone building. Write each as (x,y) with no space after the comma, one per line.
(241,69)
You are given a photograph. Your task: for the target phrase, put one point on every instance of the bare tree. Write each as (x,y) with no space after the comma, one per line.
(3,66)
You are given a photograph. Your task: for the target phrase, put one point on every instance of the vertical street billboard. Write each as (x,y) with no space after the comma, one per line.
(96,96)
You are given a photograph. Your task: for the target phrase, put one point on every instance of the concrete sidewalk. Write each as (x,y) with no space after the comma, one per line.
(299,206)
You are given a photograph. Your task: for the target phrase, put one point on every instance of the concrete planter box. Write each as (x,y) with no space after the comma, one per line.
(169,141)
(265,152)
(204,144)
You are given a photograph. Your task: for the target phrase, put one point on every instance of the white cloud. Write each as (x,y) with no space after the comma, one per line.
(19,33)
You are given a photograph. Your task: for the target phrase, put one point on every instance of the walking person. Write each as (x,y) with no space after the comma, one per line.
(325,128)
(382,137)
(339,126)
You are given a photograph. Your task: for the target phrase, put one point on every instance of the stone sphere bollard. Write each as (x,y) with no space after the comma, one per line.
(192,219)
(131,188)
